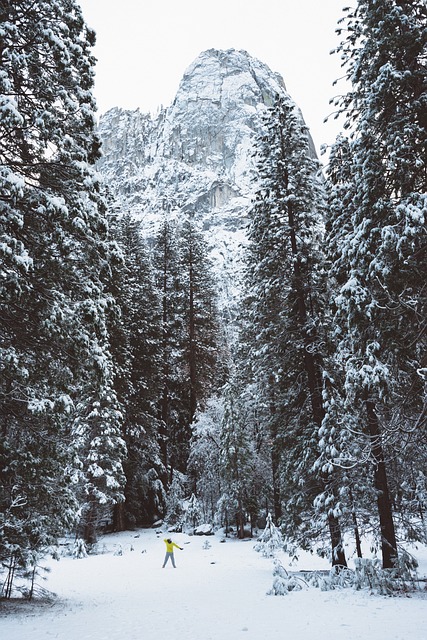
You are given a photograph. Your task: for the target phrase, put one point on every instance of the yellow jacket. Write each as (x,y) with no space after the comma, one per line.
(170,546)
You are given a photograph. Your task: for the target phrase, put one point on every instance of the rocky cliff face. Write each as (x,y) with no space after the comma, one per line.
(195,158)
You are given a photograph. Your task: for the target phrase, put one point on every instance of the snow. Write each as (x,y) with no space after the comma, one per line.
(217,592)
(195,158)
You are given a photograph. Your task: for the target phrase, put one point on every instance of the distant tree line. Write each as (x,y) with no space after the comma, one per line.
(119,395)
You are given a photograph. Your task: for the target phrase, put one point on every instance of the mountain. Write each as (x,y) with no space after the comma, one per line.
(194,158)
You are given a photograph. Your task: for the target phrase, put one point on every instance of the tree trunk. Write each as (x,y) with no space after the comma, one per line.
(312,365)
(10,575)
(192,344)
(275,458)
(388,535)
(338,555)
(87,527)
(240,520)
(356,527)
(119,517)
(277,499)
(163,428)
(164,405)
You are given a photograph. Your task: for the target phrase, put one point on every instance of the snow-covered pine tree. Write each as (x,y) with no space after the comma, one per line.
(100,451)
(271,539)
(201,319)
(172,407)
(336,450)
(54,252)
(379,240)
(135,343)
(237,461)
(285,299)
(204,468)
(259,357)
(190,338)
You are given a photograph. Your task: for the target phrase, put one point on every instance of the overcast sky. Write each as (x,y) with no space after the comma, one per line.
(144,46)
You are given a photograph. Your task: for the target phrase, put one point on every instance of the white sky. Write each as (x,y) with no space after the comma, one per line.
(144,47)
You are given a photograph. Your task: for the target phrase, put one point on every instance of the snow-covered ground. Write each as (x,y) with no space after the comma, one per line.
(215,593)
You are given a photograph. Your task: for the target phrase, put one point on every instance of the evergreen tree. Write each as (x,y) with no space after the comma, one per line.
(190,341)
(55,363)
(227,466)
(168,278)
(271,540)
(202,340)
(135,343)
(286,299)
(377,236)
(236,461)
(204,469)
(100,451)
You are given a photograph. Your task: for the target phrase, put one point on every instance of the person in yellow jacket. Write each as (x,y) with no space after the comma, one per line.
(169,551)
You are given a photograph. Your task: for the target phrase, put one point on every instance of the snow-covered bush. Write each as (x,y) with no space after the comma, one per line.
(79,550)
(283,581)
(270,541)
(406,567)
(182,513)
(192,513)
(330,580)
(174,502)
(369,574)
(205,529)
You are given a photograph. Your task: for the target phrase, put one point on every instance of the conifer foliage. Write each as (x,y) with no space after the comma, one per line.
(135,331)
(59,412)
(190,351)
(377,247)
(286,301)
(114,386)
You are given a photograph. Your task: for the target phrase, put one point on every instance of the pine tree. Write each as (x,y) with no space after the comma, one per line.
(135,343)
(285,289)
(191,342)
(378,237)
(236,460)
(202,349)
(271,540)
(168,279)
(101,450)
(54,357)
(204,469)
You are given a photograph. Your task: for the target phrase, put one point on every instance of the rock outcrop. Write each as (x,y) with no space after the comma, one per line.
(195,157)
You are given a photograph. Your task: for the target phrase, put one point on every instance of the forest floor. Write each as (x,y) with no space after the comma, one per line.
(217,592)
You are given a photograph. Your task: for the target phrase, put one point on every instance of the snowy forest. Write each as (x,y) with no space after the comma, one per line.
(127,397)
